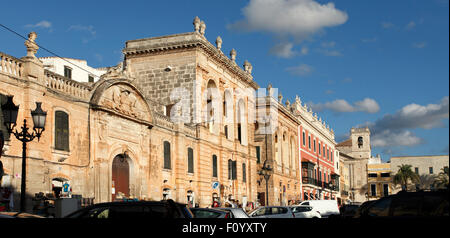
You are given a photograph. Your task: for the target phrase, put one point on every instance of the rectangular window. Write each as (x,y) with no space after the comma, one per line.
(373,190)
(319,148)
(446,169)
(372,175)
(309,142)
(226,131)
(166,155)
(90,79)
(61,131)
(244,173)
(431,170)
(385,190)
(190,160)
(67,72)
(314,145)
(304,139)
(258,154)
(416,170)
(385,175)
(214,162)
(234,172)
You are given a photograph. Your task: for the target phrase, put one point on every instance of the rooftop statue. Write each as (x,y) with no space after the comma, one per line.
(219,42)
(202,28)
(32,47)
(196,24)
(233,55)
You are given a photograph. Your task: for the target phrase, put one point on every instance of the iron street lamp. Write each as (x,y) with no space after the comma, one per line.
(265,172)
(10,112)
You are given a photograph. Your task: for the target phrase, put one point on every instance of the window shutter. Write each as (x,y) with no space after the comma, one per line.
(214,166)
(190,160)
(234,170)
(166,155)
(244,173)
(230,164)
(61,131)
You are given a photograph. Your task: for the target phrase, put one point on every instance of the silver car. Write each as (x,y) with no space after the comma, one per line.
(236,212)
(272,212)
(303,211)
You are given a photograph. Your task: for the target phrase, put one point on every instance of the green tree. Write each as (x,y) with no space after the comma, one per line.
(442,179)
(404,176)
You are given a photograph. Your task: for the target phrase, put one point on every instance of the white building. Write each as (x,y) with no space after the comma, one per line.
(75,69)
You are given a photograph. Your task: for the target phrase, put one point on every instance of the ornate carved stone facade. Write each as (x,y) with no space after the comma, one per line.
(121,119)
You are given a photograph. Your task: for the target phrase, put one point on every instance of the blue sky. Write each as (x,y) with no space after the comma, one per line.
(383,64)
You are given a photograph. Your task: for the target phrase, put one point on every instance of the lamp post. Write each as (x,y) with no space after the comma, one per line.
(265,172)
(10,112)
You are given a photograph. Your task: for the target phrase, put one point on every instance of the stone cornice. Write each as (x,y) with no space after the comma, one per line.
(186,41)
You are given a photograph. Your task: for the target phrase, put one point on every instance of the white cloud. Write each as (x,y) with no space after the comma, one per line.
(42,24)
(330,52)
(367,105)
(304,50)
(411,25)
(283,50)
(387,25)
(284,19)
(298,18)
(394,129)
(330,44)
(369,40)
(89,29)
(419,45)
(347,80)
(301,70)
(340,105)
(389,138)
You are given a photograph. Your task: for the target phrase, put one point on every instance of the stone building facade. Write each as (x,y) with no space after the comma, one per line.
(427,167)
(129,134)
(277,143)
(356,152)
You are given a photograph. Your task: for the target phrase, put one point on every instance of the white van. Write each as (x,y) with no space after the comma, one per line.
(324,207)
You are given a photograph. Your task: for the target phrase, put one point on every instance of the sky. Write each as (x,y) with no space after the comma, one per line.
(381,64)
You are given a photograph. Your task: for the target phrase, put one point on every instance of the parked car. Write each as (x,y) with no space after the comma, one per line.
(303,211)
(210,213)
(326,208)
(235,212)
(409,204)
(139,209)
(272,212)
(361,209)
(348,210)
(18,215)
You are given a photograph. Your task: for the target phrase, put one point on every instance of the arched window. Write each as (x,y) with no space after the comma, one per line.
(360,142)
(61,131)
(242,123)
(166,155)
(214,166)
(190,160)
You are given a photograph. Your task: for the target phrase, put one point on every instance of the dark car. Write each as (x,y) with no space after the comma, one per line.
(210,213)
(138,209)
(362,208)
(348,210)
(409,204)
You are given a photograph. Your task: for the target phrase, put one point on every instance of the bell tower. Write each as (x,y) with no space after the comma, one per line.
(360,143)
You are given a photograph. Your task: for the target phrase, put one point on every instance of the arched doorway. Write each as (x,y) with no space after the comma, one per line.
(120,177)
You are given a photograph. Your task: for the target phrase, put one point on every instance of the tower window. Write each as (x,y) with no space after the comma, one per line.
(360,142)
